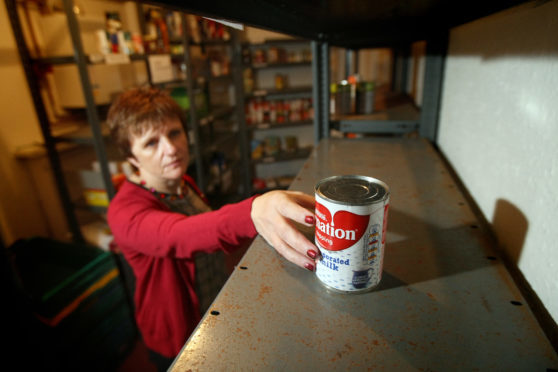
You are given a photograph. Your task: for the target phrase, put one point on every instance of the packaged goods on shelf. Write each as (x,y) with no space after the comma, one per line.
(94,190)
(365,97)
(272,145)
(352,96)
(260,111)
(257,149)
(115,40)
(283,182)
(203,29)
(272,55)
(248,80)
(291,143)
(281,81)
(180,95)
(219,63)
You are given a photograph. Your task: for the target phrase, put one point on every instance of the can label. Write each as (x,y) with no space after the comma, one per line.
(351,237)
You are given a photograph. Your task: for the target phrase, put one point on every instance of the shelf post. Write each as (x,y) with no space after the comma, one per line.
(91,108)
(320,89)
(194,122)
(351,62)
(399,77)
(432,91)
(240,112)
(44,123)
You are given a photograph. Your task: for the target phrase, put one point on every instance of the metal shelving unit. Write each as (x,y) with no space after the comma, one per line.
(232,115)
(283,57)
(89,129)
(358,26)
(398,117)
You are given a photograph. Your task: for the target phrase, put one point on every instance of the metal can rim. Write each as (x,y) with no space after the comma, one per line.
(371,180)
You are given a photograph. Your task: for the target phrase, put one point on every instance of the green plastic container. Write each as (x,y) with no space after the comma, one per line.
(54,274)
(76,292)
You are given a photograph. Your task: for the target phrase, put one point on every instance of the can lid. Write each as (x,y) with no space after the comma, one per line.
(352,189)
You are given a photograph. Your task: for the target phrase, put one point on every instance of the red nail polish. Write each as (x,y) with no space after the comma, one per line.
(311,253)
(309,219)
(309,266)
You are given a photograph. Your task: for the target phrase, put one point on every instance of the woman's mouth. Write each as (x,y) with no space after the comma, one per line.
(174,164)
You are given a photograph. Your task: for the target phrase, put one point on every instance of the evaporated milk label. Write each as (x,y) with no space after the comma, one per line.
(351,222)
(339,231)
(351,245)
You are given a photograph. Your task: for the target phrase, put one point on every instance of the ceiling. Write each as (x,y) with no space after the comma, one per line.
(348,23)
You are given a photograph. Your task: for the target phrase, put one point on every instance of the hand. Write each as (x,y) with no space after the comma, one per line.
(273,214)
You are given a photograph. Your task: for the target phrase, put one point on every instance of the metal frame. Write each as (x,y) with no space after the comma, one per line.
(427,120)
(445,301)
(320,89)
(91,108)
(432,91)
(42,116)
(193,110)
(240,113)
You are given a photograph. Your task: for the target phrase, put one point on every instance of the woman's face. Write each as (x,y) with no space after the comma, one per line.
(160,154)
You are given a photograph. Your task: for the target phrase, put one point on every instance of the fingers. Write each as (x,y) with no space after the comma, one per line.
(295,257)
(274,214)
(305,200)
(298,211)
(294,246)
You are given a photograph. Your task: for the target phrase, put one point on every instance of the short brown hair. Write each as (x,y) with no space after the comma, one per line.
(137,110)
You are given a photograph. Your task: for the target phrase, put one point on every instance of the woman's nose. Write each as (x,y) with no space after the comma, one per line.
(169,146)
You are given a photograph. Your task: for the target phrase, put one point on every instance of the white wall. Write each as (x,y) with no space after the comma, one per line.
(499,129)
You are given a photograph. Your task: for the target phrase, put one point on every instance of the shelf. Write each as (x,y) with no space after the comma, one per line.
(298,92)
(400,116)
(212,78)
(267,126)
(82,134)
(301,153)
(170,84)
(218,140)
(177,57)
(217,113)
(277,183)
(82,205)
(91,59)
(211,43)
(274,42)
(364,24)
(262,66)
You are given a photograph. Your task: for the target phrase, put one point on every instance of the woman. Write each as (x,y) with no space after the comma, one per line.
(161,222)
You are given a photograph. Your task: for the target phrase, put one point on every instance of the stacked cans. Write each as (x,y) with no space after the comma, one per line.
(351,223)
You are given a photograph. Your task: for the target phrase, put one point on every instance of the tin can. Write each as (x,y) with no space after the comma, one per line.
(365,98)
(351,223)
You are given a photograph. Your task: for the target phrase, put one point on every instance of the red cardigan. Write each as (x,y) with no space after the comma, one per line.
(159,246)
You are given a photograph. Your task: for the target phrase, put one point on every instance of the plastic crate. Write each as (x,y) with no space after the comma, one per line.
(77,293)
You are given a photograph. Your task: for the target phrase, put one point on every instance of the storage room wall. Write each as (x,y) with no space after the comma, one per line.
(499,129)
(21,214)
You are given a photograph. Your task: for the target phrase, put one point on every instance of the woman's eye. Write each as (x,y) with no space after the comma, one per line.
(151,143)
(175,133)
